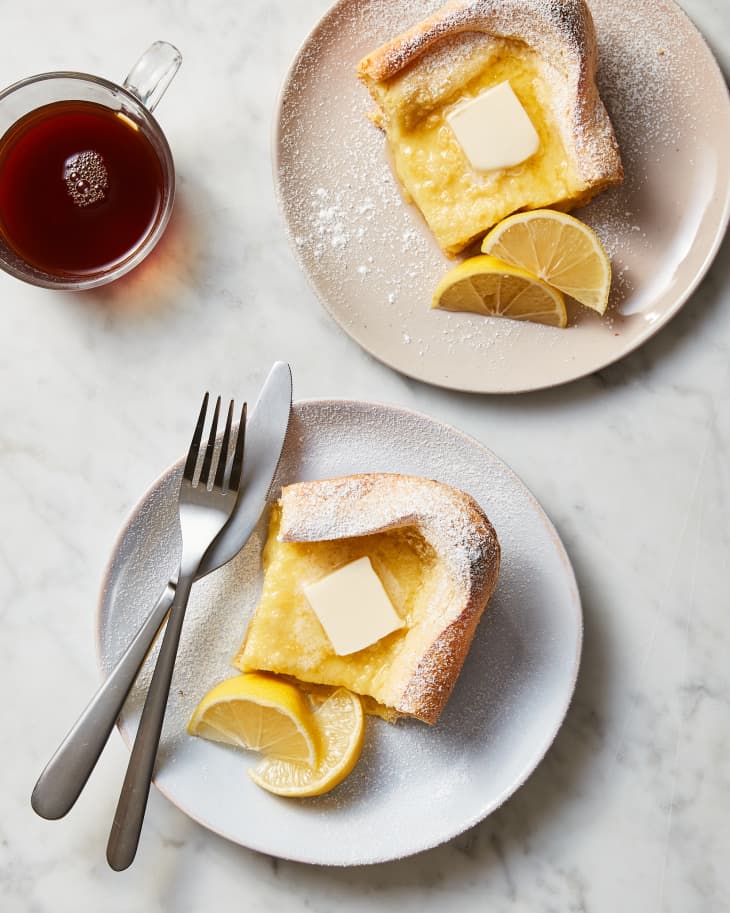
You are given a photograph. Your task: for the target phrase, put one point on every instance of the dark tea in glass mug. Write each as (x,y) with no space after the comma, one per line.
(87,180)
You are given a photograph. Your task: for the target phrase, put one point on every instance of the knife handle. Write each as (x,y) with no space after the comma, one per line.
(65,775)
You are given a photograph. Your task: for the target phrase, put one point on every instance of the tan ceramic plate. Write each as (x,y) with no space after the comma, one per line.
(371,258)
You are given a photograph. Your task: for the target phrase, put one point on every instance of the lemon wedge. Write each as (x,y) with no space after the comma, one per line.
(557,248)
(340,727)
(260,712)
(485,285)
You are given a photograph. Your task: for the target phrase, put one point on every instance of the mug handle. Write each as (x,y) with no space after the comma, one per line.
(152,74)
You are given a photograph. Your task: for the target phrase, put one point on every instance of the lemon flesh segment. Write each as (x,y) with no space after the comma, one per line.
(340,726)
(485,285)
(559,249)
(259,712)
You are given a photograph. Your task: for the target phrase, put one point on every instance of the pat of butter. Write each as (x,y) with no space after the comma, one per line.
(353,607)
(494,130)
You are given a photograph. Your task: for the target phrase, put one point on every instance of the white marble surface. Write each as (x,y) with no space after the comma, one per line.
(629,809)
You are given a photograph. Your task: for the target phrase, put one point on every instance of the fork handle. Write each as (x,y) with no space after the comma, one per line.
(127,824)
(65,775)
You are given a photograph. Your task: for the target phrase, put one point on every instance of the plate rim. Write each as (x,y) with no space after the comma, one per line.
(650,330)
(544,746)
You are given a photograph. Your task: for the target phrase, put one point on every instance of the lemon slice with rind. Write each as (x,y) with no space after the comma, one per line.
(260,712)
(487,286)
(340,726)
(557,248)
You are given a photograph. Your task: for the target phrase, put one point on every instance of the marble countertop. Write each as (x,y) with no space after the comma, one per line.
(628,811)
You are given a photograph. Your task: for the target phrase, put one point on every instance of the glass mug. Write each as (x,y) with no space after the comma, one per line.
(87,180)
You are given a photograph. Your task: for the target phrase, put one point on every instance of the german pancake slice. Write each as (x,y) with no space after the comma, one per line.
(525,70)
(430,546)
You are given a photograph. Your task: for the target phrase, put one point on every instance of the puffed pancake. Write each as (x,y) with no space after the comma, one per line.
(545,50)
(437,557)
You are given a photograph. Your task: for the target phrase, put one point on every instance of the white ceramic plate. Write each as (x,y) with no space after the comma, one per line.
(415,786)
(374,264)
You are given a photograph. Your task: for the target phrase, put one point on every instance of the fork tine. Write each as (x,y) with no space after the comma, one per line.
(237,467)
(192,458)
(208,458)
(220,472)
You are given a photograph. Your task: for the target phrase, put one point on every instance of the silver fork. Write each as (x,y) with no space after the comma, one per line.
(204,509)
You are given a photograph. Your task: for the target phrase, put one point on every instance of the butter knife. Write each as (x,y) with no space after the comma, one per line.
(65,775)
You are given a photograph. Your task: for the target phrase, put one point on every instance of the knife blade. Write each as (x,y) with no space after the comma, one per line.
(65,775)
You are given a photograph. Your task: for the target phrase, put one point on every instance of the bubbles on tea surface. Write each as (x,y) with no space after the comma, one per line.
(86,177)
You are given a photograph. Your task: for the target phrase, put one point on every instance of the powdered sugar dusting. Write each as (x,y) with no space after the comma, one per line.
(364,503)
(641,60)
